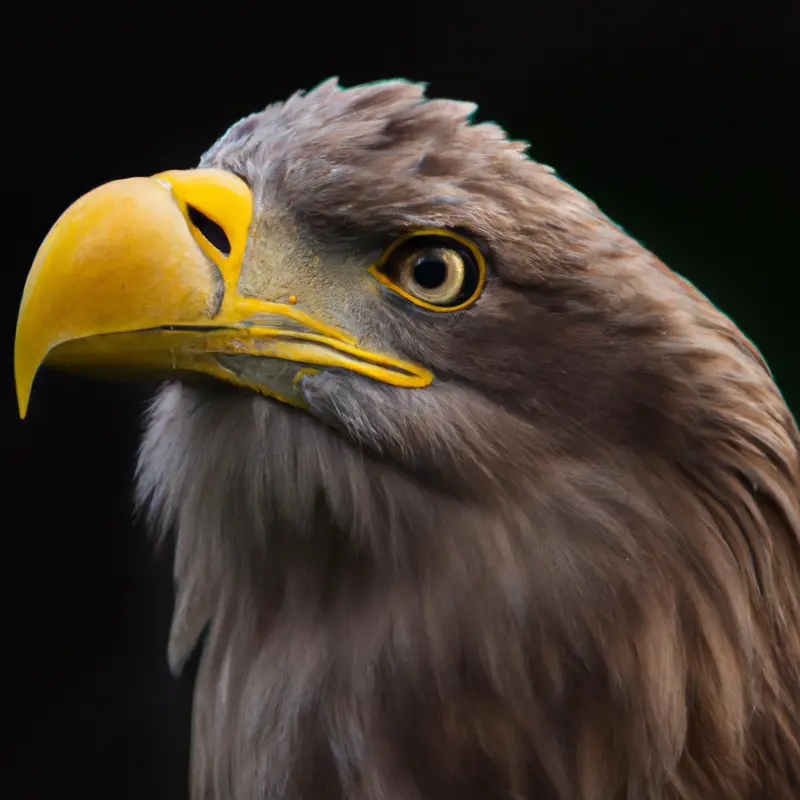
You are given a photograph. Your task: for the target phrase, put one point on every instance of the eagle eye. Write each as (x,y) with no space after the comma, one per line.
(436,269)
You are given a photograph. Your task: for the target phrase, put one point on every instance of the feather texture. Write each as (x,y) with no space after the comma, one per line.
(569,568)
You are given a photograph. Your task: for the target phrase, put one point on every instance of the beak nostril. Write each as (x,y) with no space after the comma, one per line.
(213,232)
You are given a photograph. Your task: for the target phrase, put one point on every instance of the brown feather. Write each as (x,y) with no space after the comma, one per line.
(569,568)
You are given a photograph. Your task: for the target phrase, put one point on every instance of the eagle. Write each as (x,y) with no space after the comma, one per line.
(471,496)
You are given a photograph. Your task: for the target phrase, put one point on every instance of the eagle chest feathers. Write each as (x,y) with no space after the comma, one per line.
(473,496)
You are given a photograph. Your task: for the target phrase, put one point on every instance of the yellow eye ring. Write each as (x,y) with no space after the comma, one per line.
(456,280)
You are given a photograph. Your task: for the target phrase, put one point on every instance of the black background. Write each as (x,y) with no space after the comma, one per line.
(676,119)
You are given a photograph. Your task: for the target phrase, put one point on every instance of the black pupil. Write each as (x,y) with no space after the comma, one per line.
(430,271)
(210,230)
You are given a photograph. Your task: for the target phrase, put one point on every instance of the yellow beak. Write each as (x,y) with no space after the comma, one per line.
(126,283)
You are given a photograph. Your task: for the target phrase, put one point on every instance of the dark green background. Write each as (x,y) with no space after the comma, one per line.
(678,124)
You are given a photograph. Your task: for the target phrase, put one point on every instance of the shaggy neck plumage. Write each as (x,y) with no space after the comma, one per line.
(372,635)
(301,554)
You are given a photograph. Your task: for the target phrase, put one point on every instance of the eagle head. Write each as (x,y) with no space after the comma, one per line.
(474,496)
